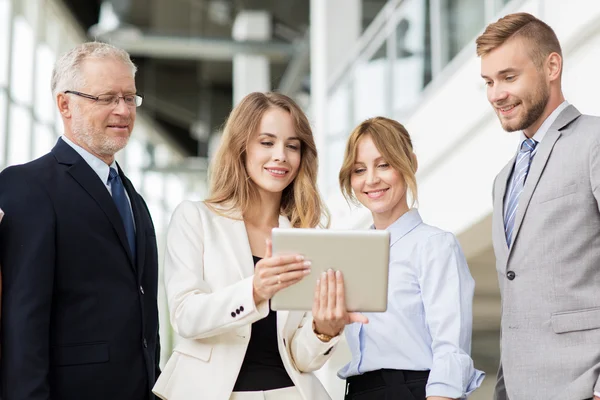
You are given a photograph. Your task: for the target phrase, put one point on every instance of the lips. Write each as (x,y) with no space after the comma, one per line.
(507,109)
(376,194)
(277,172)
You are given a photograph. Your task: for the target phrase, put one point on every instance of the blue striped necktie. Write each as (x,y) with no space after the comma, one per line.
(519,175)
(120,199)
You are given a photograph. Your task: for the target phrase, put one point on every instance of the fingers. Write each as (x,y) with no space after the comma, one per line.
(282,260)
(316,298)
(358,317)
(331,291)
(340,301)
(324,291)
(269,249)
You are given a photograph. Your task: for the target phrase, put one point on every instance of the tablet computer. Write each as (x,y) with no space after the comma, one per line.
(361,255)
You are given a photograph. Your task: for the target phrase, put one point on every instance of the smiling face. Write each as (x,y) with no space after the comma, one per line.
(102,130)
(517,89)
(274,153)
(377,185)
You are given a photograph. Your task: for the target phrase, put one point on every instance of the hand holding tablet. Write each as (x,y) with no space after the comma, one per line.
(362,257)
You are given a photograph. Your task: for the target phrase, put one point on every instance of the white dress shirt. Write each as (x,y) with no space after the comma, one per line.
(428,322)
(100,168)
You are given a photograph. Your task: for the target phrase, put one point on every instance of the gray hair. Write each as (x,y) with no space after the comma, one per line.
(66,74)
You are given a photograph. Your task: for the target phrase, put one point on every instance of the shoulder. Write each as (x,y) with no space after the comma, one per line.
(198,211)
(432,238)
(30,170)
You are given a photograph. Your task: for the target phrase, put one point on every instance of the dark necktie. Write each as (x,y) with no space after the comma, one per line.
(120,199)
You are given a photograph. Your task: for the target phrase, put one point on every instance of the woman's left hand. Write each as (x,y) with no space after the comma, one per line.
(329,305)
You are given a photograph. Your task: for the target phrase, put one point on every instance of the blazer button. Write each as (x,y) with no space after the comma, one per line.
(510,275)
(237,311)
(233,314)
(145,343)
(142,290)
(242,308)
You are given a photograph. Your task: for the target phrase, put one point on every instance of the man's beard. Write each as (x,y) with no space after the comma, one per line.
(96,140)
(533,113)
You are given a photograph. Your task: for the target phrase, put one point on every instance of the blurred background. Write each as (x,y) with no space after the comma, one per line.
(341,60)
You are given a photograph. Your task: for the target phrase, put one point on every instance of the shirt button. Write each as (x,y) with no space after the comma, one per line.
(510,275)
(145,343)
(141,290)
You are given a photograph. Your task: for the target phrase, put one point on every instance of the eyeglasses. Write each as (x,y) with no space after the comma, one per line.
(131,100)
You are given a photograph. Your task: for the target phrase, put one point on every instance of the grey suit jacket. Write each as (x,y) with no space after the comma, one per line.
(550,346)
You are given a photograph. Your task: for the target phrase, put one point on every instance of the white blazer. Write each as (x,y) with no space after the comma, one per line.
(208,277)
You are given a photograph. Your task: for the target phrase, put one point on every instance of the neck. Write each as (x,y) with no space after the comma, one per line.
(266,212)
(108,159)
(383,220)
(553,103)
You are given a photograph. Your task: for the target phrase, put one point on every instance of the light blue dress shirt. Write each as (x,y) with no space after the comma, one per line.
(100,168)
(428,322)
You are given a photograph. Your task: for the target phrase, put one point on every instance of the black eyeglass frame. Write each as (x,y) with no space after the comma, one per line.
(138,97)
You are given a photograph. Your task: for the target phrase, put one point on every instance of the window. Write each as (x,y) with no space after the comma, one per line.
(44,140)
(22,61)
(2,127)
(19,139)
(43,101)
(4,40)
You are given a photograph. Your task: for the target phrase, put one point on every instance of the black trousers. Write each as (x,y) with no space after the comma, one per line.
(387,384)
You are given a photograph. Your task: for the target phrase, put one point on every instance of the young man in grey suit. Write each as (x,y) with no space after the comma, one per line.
(546,223)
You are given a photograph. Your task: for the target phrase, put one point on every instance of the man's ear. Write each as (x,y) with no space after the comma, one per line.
(554,66)
(64,107)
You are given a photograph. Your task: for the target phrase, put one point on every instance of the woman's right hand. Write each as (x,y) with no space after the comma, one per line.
(275,273)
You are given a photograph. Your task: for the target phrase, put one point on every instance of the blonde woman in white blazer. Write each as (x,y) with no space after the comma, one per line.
(231,345)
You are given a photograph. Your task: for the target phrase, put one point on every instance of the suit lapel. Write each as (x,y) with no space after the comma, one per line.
(500,194)
(140,231)
(85,176)
(539,163)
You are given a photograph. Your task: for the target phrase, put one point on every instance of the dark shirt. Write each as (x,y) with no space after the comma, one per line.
(262,368)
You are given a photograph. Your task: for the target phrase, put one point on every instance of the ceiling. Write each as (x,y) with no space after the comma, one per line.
(182,93)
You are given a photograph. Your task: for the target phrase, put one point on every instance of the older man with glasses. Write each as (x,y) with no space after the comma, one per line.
(78,249)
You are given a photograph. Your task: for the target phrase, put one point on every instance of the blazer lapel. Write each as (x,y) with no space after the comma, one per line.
(140,231)
(539,163)
(500,194)
(85,176)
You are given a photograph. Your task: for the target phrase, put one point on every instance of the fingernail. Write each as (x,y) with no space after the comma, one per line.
(307,263)
(338,273)
(318,281)
(307,271)
(299,258)
(324,275)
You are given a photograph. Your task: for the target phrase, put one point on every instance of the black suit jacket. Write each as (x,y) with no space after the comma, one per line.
(79,312)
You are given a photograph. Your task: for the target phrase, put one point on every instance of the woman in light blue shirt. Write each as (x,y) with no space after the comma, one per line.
(420,347)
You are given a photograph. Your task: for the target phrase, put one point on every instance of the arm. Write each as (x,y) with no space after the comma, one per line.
(27,256)
(447,293)
(308,352)
(595,185)
(196,311)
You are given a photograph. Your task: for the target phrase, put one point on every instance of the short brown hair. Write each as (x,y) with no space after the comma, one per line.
(393,142)
(231,188)
(541,37)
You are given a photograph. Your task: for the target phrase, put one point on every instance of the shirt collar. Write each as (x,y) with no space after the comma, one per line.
(403,225)
(541,132)
(99,166)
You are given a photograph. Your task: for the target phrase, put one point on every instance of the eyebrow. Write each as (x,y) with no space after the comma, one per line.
(502,72)
(275,136)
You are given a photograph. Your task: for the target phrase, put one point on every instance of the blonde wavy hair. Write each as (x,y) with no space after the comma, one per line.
(393,142)
(232,190)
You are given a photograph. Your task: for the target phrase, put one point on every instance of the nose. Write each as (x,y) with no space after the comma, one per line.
(372,177)
(121,108)
(279,153)
(496,94)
